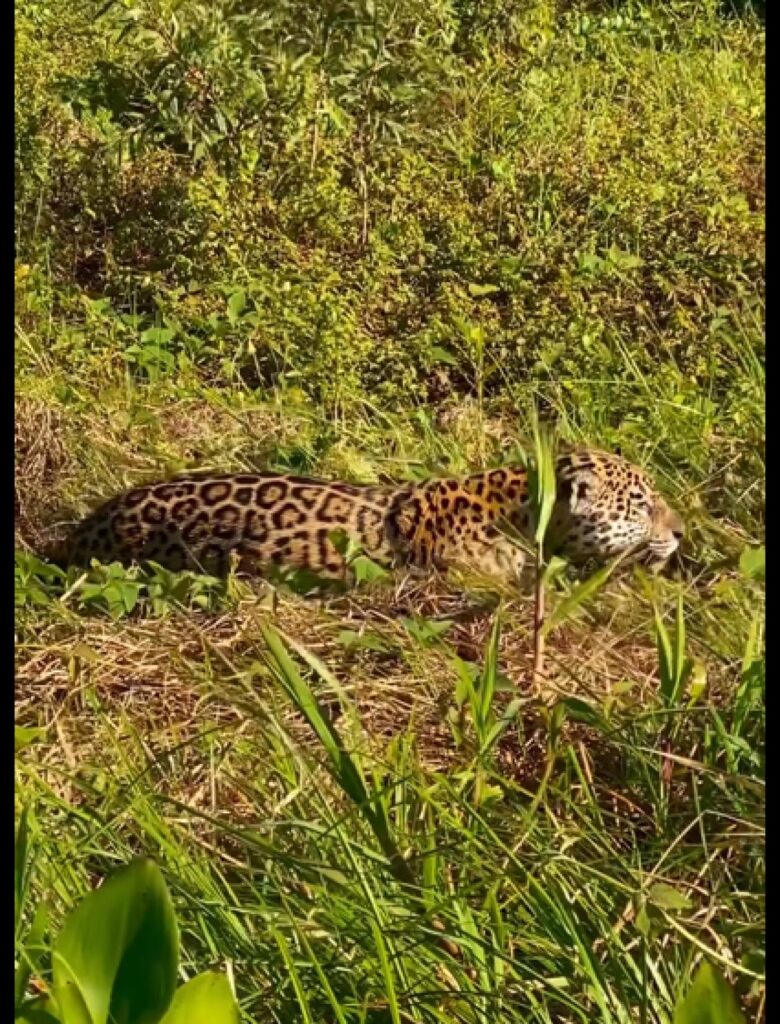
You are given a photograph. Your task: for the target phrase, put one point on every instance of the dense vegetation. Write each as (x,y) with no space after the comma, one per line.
(375,239)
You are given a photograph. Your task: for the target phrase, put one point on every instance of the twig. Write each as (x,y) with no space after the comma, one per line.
(539,612)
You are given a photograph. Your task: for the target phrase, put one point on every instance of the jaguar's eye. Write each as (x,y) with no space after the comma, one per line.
(678,534)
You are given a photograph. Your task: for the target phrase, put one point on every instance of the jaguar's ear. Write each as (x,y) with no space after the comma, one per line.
(579,491)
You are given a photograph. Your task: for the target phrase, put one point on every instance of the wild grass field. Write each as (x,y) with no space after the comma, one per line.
(374,240)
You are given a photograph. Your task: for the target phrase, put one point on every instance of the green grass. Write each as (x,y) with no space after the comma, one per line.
(450,218)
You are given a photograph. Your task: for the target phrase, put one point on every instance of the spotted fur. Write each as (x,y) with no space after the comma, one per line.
(605,506)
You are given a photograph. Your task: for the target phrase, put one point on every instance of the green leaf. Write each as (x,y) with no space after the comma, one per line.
(553,569)
(40,1010)
(344,768)
(366,571)
(441,355)
(236,305)
(674,668)
(578,596)
(581,711)
(343,543)
(426,631)
(649,919)
(21,863)
(665,657)
(500,169)
(205,999)
(366,641)
(488,676)
(32,952)
(625,260)
(698,678)
(667,897)
(118,950)
(680,667)
(709,1000)
(542,480)
(157,335)
(752,563)
(643,923)
(23,737)
(464,684)
(478,290)
(385,962)
(590,262)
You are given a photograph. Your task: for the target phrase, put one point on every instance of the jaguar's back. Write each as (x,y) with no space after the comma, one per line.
(605,506)
(196,522)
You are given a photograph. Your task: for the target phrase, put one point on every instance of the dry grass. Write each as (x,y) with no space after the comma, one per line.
(165,677)
(41,460)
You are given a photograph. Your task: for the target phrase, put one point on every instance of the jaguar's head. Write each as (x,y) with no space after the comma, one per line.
(607,507)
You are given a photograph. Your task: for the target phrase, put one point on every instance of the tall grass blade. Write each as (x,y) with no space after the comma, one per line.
(344,768)
(542,480)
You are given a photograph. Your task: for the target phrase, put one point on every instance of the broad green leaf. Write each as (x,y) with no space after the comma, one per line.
(343,543)
(367,571)
(752,563)
(667,897)
(118,950)
(236,305)
(649,919)
(205,999)
(157,335)
(643,923)
(709,1000)
(581,711)
(625,260)
(590,262)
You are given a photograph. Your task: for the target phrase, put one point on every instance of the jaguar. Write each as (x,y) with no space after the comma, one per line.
(605,506)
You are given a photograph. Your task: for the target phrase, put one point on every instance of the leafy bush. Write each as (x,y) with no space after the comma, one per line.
(371,176)
(116,957)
